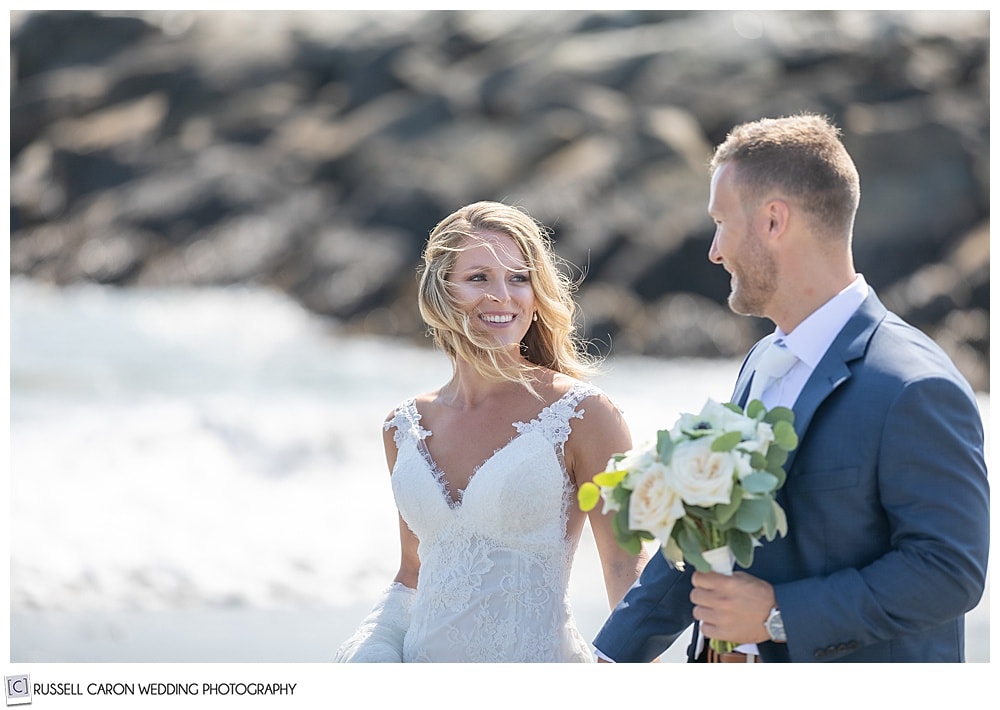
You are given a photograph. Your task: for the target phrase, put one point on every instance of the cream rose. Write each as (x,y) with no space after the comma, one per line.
(701,476)
(654,505)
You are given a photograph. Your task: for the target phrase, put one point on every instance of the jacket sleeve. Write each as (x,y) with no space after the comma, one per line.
(929,480)
(654,612)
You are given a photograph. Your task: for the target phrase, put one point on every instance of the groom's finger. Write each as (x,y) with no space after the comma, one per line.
(708,580)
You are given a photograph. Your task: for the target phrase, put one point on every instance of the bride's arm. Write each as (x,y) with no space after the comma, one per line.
(379,637)
(600,434)
(409,561)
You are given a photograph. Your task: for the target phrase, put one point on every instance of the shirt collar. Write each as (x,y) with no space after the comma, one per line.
(811,338)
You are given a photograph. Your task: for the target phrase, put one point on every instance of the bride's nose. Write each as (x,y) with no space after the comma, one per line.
(498,293)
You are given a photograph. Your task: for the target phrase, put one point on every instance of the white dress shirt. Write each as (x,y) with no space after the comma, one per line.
(811,339)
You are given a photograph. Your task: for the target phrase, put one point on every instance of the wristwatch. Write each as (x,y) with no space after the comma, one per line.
(775,626)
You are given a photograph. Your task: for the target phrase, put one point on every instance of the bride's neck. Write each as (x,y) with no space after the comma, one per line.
(467,387)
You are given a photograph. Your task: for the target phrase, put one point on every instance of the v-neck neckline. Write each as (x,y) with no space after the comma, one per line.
(455,497)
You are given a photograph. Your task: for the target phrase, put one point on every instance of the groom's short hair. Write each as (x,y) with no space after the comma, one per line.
(803,158)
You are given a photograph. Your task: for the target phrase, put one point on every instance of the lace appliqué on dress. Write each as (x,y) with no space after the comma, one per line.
(554,421)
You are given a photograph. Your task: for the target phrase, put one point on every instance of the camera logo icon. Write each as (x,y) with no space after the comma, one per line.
(18,688)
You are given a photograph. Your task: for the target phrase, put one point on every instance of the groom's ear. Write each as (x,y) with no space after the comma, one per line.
(778,216)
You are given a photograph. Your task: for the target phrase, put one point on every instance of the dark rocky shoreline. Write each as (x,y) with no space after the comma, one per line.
(313,152)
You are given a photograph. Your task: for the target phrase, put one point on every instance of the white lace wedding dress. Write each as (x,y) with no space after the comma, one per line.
(495,565)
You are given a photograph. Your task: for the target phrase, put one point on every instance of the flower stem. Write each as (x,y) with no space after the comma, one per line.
(720,646)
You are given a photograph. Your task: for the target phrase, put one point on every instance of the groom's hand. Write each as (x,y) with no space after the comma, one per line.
(732,608)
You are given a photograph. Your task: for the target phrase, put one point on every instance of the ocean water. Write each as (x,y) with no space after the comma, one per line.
(202,451)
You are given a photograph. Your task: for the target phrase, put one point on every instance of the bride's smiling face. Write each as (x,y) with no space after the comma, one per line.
(491,282)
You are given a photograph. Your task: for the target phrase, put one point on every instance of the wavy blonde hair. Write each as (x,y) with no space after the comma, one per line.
(551,340)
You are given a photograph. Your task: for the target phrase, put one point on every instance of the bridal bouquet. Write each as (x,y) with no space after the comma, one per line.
(704,489)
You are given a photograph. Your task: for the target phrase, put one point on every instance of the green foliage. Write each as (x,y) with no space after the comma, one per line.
(664,446)
(691,544)
(741,544)
(751,515)
(726,442)
(785,436)
(760,482)
(724,512)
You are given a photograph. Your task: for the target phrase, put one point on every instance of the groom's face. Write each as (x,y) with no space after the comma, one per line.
(737,246)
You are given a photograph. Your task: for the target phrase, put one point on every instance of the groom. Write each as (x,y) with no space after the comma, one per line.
(886,497)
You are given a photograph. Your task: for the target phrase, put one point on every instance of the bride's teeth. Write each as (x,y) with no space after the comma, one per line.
(498,319)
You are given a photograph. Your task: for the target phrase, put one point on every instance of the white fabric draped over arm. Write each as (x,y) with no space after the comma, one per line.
(379,638)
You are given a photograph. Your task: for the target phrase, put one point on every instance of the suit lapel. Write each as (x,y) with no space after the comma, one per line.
(832,371)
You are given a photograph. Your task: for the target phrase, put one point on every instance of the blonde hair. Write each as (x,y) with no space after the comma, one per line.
(800,156)
(551,340)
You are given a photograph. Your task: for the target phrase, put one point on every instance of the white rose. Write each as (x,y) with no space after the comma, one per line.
(741,464)
(654,505)
(701,476)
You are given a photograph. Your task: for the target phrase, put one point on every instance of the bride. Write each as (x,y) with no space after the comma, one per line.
(484,470)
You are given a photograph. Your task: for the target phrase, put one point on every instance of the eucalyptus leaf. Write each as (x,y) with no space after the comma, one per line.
(619,523)
(628,540)
(664,446)
(742,546)
(758,461)
(725,511)
(726,442)
(779,473)
(770,527)
(779,414)
(752,514)
(632,545)
(699,512)
(691,547)
(755,408)
(759,482)
(785,436)
(672,551)
(776,456)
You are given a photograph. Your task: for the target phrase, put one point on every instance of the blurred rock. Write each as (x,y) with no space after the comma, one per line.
(314,151)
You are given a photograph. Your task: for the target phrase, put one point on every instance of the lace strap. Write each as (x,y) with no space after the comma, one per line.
(554,420)
(406,420)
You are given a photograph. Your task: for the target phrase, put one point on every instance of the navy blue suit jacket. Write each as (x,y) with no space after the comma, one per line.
(888,512)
